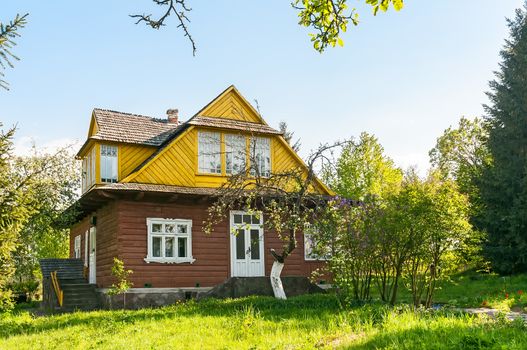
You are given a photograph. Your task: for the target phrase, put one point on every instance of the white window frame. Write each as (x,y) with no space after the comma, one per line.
(91,167)
(169,260)
(109,163)
(260,149)
(77,247)
(88,170)
(86,234)
(209,152)
(235,153)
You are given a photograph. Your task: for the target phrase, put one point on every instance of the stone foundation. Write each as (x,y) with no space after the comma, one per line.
(235,287)
(138,298)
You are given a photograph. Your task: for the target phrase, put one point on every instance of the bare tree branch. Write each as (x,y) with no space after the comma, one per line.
(177,7)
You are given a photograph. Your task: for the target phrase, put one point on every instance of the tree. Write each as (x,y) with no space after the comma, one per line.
(363,173)
(289,200)
(24,187)
(504,182)
(288,136)
(8,34)
(345,234)
(437,219)
(10,216)
(363,170)
(329,18)
(122,276)
(461,154)
(55,188)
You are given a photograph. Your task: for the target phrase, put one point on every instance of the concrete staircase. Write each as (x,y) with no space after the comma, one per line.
(78,293)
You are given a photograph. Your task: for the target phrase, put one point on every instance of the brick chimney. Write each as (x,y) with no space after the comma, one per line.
(172,115)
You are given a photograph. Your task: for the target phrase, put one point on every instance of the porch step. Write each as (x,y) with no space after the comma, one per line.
(78,293)
(79,296)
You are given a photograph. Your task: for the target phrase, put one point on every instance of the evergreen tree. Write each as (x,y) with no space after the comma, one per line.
(504,183)
(8,34)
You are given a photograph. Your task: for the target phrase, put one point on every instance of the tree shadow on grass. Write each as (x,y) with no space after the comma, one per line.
(310,311)
(474,336)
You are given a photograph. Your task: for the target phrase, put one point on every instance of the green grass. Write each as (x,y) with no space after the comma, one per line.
(473,289)
(307,322)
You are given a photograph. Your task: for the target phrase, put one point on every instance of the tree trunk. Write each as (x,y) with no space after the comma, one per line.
(276,282)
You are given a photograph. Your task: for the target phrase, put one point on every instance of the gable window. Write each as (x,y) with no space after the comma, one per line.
(169,241)
(260,156)
(108,163)
(77,247)
(235,153)
(209,152)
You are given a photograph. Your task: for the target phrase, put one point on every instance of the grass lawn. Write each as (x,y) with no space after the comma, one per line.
(307,322)
(473,289)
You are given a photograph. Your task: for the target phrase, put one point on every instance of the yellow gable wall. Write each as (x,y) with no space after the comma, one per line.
(174,165)
(93,127)
(131,156)
(231,105)
(177,164)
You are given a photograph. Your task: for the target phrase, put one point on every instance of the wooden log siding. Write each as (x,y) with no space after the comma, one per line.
(122,232)
(106,241)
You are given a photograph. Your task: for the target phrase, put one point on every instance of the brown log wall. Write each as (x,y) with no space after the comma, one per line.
(122,232)
(106,242)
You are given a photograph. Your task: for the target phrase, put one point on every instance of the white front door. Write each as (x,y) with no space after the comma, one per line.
(92,260)
(247,245)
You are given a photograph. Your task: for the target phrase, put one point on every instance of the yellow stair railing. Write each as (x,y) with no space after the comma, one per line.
(59,292)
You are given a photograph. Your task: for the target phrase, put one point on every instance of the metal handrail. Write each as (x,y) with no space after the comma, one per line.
(58,292)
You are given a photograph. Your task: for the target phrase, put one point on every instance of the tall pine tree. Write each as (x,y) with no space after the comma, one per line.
(504,183)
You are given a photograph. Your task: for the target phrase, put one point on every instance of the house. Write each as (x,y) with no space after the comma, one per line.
(146,187)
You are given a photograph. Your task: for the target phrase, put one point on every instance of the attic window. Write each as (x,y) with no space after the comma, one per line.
(261,156)
(108,163)
(235,153)
(209,152)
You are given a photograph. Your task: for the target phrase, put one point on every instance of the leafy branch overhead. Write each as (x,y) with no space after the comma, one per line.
(8,34)
(330,18)
(176,7)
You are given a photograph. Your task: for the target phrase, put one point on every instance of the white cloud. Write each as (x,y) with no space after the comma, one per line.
(23,145)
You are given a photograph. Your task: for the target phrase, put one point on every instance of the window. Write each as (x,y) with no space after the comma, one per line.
(209,152)
(88,170)
(169,241)
(261,156)
(77,247)
(311,249)
(108,163)
(235,153)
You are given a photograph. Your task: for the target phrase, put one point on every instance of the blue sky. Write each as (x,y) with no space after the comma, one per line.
(403,76)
